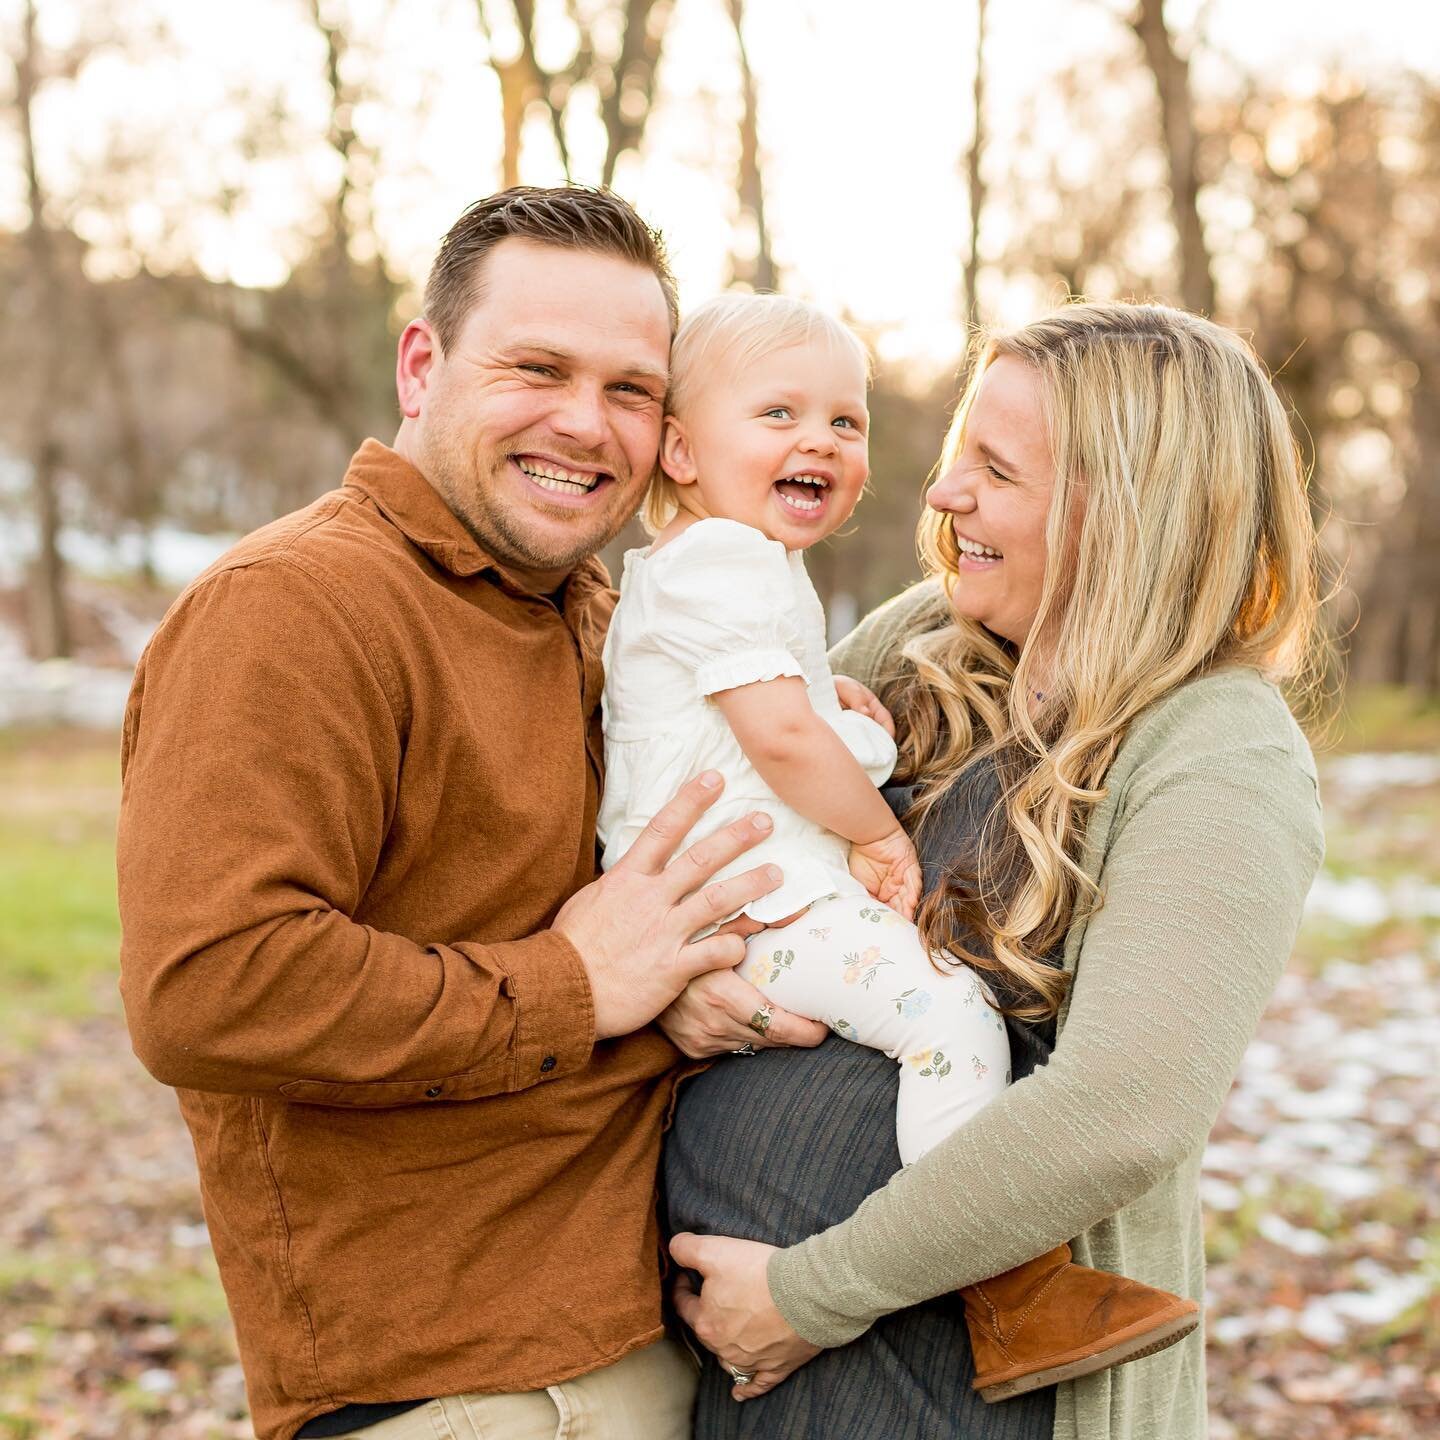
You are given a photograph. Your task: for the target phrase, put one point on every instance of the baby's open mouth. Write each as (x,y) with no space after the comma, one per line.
(805,493)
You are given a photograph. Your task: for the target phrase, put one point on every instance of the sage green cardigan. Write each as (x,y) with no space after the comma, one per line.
(1204,847)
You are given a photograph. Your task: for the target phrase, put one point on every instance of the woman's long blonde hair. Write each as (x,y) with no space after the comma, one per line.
(1179,541)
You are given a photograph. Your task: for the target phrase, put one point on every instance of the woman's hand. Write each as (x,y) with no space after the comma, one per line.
(733,1314)
(714,1013)
(890,870)
(854,696)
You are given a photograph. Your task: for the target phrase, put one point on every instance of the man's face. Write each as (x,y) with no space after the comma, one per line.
(540,425)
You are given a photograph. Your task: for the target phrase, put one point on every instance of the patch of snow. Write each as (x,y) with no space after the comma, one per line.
(1357,900)
(1359,775)
(1326,1318)
(1216,1194)
(177,556)
(1345,1182)
(1279,1231)
(1362,902)
(59,692)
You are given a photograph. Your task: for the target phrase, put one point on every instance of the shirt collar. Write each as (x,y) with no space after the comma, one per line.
(413,505)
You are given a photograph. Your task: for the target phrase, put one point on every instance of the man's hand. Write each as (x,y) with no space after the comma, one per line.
(733,1314)
(712,1014)
(890,870)
(854,696)
(632,926)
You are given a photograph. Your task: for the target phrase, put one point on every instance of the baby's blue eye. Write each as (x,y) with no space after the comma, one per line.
(780,412)
(845,420)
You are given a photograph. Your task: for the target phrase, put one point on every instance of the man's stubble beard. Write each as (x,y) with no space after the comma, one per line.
(475,501)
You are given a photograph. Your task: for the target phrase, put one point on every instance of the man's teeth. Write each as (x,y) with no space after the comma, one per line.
(556,477)
(982,552)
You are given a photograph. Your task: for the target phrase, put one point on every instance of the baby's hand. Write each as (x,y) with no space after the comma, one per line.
(890,870)
(854,696)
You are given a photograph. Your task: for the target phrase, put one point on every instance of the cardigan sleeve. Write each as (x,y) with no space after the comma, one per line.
(1203,881)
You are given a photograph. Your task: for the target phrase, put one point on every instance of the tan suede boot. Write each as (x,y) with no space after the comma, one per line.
(1051,1320)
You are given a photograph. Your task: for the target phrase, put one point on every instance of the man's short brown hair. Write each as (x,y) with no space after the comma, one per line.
(572,217)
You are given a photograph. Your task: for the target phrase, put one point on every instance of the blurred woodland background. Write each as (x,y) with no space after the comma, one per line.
(185,352)
(214,221)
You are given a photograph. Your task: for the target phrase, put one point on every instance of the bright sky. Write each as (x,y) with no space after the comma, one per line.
(865,118)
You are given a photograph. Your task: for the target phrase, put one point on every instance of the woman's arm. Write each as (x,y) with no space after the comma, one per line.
(1204,882)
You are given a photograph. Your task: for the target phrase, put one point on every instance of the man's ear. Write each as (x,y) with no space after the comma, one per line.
(676,459)
(417,353)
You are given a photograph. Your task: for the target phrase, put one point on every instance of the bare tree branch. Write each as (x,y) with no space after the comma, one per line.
(1172,83)
(50,628)
(975,182)
(757,270)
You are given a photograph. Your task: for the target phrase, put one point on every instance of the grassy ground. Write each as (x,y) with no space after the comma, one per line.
(58,926)
(1322,1191)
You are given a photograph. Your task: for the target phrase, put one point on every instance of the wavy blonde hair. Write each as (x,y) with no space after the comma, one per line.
(1180,540)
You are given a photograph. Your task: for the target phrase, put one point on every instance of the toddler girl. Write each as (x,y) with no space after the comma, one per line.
(716,660)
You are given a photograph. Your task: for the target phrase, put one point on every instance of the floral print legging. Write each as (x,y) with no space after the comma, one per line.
(858,967)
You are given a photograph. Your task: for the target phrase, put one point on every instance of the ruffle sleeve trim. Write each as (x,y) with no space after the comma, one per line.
(747,667)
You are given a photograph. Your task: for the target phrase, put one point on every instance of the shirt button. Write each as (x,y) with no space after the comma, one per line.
(547,1064)
(432,1092)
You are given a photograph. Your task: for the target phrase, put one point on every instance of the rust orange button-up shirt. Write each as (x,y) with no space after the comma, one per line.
(361,771)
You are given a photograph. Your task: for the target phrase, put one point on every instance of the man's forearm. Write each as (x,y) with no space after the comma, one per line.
(291,1007)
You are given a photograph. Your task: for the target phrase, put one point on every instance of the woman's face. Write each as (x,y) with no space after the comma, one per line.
(997,494)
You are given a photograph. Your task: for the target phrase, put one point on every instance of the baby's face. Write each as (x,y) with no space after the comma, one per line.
(780,443)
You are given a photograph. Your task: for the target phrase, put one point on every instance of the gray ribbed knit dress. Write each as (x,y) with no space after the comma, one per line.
(783,1145)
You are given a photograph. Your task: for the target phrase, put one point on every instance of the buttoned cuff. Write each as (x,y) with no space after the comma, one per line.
(554,1008)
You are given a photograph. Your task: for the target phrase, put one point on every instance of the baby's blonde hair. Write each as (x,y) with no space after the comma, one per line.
(742,327)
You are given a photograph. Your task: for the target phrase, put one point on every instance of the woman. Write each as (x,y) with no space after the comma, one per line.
(1105,776)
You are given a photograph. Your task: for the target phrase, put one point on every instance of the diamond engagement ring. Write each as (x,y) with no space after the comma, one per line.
(739,1376)
(746,1049)
(759,1022)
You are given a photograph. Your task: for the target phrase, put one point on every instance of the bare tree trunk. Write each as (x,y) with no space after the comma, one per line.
(627,89)
(1172,84)
(516,89)
(625,107)
(49,622)
(1397,635)
(522,80)
(757,270)
(976,184)
(139,503)
(49,619)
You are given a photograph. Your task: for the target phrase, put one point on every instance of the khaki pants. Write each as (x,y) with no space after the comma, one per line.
(646,1396)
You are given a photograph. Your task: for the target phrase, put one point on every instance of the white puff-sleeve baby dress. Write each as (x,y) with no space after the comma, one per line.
(717,607)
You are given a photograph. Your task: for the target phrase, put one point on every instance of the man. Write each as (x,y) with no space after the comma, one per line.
(362,933)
